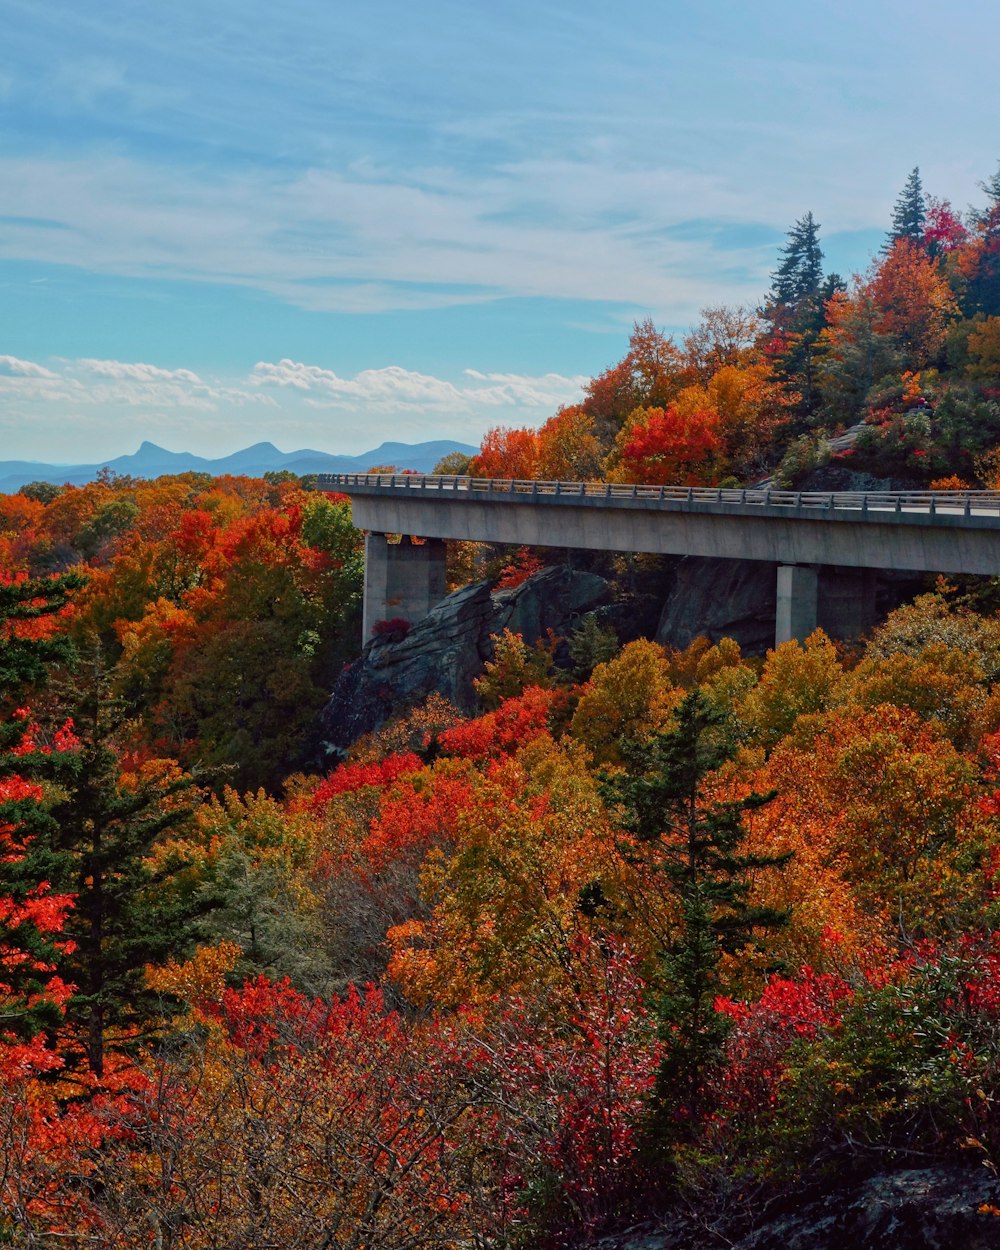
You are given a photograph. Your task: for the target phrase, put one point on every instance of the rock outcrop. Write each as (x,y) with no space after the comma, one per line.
(934,1208)
(447,649)
(720,599)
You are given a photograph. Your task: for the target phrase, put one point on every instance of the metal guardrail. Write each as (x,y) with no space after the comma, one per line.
(945,503)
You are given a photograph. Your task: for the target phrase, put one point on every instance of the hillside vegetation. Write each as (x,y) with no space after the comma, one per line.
(652,931)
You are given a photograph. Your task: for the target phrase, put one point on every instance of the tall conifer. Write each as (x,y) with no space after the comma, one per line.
(909,216)
(697,845)
(800,267)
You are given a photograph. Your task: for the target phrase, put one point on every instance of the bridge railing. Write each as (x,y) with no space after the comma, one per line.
(952,502)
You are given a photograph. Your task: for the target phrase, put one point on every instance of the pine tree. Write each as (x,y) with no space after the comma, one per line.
(983,289)
(696,845)
(992,189)
(30,870)
(796,312)
(130,909)
(26,654)
(800,269)
(909,216)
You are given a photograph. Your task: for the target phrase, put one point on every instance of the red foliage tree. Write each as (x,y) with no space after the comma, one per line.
(671,448)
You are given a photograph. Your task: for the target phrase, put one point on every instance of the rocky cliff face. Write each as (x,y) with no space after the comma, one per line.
(448,648)
(938,1208)
(720,599)
(445,651)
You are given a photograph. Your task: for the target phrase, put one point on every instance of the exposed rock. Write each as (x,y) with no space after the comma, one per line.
(720,599)
(737,599)
(926,1209)
(448,648)
(833,477)
(939,1208)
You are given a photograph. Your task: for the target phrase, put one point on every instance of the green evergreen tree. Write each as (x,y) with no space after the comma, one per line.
(982,293)
(132,909)
(696,845)
(800,268)
(25,662)
(909,216)
(796,310)
(992,189)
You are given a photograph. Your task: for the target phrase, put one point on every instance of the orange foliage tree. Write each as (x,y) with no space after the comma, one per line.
(506,453)
(671,447)
(914,303)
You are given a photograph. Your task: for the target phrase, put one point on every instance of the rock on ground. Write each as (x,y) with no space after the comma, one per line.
(448,648)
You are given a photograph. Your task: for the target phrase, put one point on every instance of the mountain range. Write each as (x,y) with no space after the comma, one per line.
(152,461)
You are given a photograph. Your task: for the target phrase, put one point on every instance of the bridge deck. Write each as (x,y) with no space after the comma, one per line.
(923,531)
(980,508)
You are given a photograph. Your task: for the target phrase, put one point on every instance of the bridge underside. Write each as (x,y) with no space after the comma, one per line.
(407,580)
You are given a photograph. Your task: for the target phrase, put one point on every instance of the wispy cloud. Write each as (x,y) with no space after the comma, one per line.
(283,400)
(370,239)
(12,367)
(393,388)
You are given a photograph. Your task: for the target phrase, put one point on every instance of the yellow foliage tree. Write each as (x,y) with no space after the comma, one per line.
(629,697)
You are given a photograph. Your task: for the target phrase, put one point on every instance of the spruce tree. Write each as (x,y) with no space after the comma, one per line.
(800,268)
(29,866)
(992,189)
(696,844)
(909,216)
(796,311)
(132,908)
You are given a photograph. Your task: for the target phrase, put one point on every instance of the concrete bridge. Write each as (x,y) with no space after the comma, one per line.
(800,532)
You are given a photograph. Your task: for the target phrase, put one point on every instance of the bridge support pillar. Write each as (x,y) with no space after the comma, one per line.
(797,603)
(404,579)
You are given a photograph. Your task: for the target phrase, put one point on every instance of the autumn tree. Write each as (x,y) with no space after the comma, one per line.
(648,376)
(504,902)
(854,352)
(753,408)
(506,453)
(568,447)
(914,303)
(724,338)
(629,696)
(891,791)
(670,447)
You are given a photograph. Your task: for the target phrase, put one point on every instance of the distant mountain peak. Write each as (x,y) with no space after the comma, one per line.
(151,460)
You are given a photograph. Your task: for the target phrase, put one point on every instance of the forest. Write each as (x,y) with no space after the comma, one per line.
(652,931)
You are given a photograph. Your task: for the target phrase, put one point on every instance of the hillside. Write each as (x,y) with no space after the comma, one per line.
(620,935)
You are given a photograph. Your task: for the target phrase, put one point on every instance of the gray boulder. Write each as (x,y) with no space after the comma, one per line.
(445,651)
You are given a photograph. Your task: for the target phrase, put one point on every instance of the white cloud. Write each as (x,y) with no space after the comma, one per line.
(87,408)
(138,372)
(393,388)
(369,239)
(10,365)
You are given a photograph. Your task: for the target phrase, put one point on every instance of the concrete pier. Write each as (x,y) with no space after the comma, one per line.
(404,579)
(798,598)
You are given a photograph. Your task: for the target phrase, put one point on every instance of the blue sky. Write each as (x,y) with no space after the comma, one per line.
(326,224)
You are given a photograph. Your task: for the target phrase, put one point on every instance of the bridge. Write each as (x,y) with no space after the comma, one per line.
(799,531)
